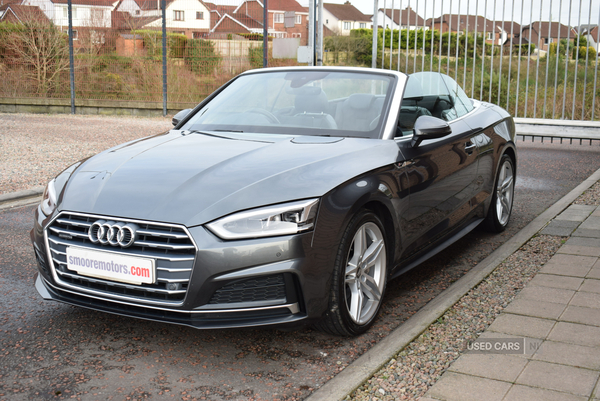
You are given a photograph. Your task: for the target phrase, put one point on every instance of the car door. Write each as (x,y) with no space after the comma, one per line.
(441,173)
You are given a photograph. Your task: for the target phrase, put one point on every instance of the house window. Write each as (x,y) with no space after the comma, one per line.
(547,41)
(199,15)
(326,22)
(66,12)
(96,15)
(298,19)
(347,25)
(137,12)
(178,15)
(74,34)
(278,18)
(363,25)
(490,36)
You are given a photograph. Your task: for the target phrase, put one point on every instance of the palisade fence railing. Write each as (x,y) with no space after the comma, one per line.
(538,59)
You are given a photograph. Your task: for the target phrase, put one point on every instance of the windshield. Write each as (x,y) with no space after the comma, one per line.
(303,102)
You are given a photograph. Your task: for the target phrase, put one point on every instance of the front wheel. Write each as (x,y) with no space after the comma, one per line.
(359,277)
(502,200)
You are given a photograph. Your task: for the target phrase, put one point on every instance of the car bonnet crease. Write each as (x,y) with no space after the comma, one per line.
(194,179)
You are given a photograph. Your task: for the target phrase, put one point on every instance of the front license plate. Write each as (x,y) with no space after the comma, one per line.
(111,266)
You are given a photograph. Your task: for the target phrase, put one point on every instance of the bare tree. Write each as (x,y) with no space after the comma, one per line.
(40,47)
(92,34)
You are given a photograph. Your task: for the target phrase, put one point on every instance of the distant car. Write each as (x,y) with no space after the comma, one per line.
(290,196)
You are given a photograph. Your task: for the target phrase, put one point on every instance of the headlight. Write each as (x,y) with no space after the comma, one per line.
(284,219)
(48,204)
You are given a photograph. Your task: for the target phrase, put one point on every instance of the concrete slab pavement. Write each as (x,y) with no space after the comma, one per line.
(560,308)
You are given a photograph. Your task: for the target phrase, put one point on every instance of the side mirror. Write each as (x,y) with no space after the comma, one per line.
(428,127)
(180,116)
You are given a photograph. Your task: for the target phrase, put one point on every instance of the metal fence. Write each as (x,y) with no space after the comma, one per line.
(119,53)
(538,59)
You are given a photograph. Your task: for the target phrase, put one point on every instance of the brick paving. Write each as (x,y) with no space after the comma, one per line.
(546,343)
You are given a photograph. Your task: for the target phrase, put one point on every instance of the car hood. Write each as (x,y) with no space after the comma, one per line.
(192,179)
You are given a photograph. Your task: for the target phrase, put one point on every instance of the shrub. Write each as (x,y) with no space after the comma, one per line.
(201,57)
(254,36)
(255,54)
(582,52)
(176,43)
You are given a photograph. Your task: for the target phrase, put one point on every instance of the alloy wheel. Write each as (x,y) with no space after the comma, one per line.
(504,192)
(365,273)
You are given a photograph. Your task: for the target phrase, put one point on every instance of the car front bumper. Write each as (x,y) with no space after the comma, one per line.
(258,282)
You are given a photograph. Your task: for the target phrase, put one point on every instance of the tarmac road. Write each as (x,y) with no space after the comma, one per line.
(54,351)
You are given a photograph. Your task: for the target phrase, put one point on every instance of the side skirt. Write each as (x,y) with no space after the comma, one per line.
(438,248)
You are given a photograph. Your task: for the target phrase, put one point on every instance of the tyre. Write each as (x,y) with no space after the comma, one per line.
(502,200)
(359,277)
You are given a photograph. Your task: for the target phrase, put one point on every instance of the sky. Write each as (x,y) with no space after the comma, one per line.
(585,11)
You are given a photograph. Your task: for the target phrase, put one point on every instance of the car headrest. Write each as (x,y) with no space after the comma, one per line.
(360,101)
(311,101)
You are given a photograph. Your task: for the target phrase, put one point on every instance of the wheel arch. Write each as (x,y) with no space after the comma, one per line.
(384,214)
(511,151)
(378,192)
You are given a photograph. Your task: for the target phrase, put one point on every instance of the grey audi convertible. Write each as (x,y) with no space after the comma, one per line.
(290,196)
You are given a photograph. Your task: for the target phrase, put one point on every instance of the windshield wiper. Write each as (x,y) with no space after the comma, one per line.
(209,134)
(246,137)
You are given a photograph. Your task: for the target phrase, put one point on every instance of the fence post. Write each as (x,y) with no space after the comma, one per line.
(266,35)
(374,50)
(164,53)
(71,61)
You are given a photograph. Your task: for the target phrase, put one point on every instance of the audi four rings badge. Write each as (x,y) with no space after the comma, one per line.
(113,233)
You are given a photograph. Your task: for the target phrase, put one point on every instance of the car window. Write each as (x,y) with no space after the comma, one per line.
(303,102)
(425,94)
(462,103)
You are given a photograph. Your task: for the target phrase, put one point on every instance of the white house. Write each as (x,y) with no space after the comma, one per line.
(189,17)
(342,18)
(86,13)
(400,19)
(592,34)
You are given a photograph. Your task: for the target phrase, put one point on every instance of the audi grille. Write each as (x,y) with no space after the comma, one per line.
(169,245)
